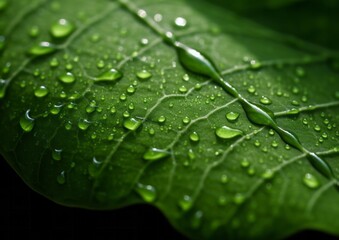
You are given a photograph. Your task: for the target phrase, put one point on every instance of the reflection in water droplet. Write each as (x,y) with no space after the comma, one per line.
(310,181)
(186,203)
(227,133)
(62,28)
(42,91)
(155,154)
(43,48)
(109,76)
(27,122)
(147,192)
(132,124)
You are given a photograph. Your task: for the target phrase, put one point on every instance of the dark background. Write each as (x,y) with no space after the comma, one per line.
(26,213)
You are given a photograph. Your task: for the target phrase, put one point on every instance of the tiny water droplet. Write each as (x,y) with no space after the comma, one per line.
(3,84)
(56,154)
(186,203)
(27,122)
(227,133)
(232,116)
(34,31)
(61,178)
(147,192)
(55,110)
(194,136)
(317,128)
(144,75)
(132,124)
(238,198)
(43,48)
(183,89)
(40,92)
(311,181)
(62,28)
(123,97)
(251,89)
(83,124)
(274,144)
(196,220)
(109,76)
(245,163)
(224,178)
(154,154)
(186,120)
(268,174)
(67,78)
(191,154)
(265,100)
(131,89)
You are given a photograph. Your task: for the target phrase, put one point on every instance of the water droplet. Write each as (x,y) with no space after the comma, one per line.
(155,154)
(268,174)
(94,168)
(196,220)
(191,154)
(185,77)
(239,198)
(131,89)
(109,76)
(56,154)
(43,48)
(144,41)
(186,203)
(300,72)
(42,91)
(147,192)
(144,75)
(55,110)
(61,178)
(186,120)
(265,100)
(34,32)
(180,22)
(3,84)
(227,133)
(274,144)
(255,64)
(224,178)
(161,119)
(100,64)
(27,122)
(132,124)
(183,89)
(245,163)
(317,128)
(194,136)
(311,181)
(67,77)
(232,116)
(62,28)
(222,200)
(251,89)
(123,97)
(83,124)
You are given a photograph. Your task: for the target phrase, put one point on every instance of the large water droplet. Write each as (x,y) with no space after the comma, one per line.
(62,28)
(155,154)
(132,124)
(41,92)
(147,192)
(227,133)
(180,22)
(310,181)
(109,76)
(67,77)
(186,203)
(27,122)
(43,48)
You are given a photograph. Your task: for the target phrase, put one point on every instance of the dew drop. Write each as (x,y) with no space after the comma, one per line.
(27,122)
(268,174)
(3,84)
(186,120)
(317,128)
(67,78)
(238,198)
(251,89)
(132,124)
(224,178)
(83,124)
(147,192)
(43,48)
(144,75)
(183,89)
(34,32)
(196,220)
(180,22)
(55,110)
(41,92)
(194,136)
(161,119)
(185,77)
(265,100)
(311,181)
(56,154)
(232,116)
(245,163)
(62,28)
(61,178)
(274,144)
(227,133)
(186,203)
(109,76)
(154,154)
(131,89)
(191,154)
(94,168)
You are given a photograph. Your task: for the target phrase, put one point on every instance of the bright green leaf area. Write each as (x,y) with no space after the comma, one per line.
(97,111)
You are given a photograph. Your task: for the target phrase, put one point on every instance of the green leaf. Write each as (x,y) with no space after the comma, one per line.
(218,122)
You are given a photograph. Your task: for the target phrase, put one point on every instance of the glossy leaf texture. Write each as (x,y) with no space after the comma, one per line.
(103,105)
